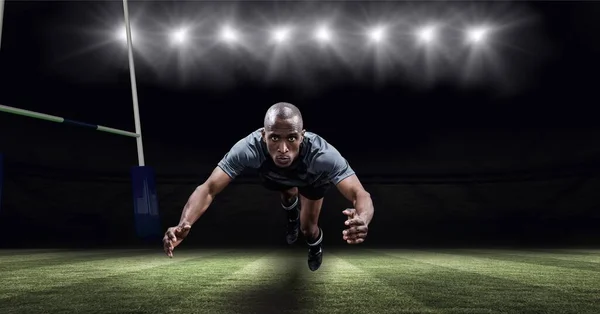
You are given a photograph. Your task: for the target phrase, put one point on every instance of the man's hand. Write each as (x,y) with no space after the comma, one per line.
(357,228)
(173,238)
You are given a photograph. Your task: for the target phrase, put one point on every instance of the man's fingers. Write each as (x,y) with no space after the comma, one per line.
(171,235)
(168,240)
(356,229)
(354,222)
(355,236)
(356,241)
(349,212)
(167,247)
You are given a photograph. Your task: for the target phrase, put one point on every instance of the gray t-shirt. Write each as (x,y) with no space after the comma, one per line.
(318,163)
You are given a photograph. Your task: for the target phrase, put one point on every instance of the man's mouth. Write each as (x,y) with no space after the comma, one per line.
(283,159)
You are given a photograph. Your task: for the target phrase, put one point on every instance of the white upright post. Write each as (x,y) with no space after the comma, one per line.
(136,109)
(1,20)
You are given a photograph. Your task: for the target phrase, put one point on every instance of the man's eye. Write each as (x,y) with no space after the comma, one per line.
(291,139)
(274,138)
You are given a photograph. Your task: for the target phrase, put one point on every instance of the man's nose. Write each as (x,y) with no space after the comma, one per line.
(282,148)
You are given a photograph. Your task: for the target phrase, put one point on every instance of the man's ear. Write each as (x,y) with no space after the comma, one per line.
(263,134)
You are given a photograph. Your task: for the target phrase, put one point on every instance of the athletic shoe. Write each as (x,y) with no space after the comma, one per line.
(315,252)
(315,257)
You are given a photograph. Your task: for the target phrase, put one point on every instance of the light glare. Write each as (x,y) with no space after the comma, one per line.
(281,34)
(477,34)
(427,34)
(228,34)
(122,34)
(179,36)
(377,34)
(323,34)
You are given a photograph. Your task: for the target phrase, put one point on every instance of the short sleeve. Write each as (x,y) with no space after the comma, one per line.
(332,165)
(242,155)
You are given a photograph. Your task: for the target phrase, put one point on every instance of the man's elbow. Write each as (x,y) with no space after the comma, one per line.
(210,188)
(204,189)
(363,194)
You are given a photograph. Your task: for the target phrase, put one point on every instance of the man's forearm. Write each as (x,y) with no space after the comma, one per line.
(363,204)
(196,205)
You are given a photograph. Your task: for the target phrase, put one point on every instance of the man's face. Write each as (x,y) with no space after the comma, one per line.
(283,140)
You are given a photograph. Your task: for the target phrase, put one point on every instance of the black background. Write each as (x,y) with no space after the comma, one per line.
(445,164)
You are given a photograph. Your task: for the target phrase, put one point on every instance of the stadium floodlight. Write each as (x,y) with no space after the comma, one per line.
(427,34)
(179,36)
(281,34)
(121,34)
(477,35)
(323,34)
(376,34)
(229,34)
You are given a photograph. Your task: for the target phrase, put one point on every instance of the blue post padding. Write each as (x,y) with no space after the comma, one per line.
(1,179)
(145,203)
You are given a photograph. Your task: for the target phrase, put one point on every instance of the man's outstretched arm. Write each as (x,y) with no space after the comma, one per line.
(196,205)
(203,196)
(361,215)
(244,154)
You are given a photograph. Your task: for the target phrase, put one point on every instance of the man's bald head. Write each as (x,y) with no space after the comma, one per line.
(283,133)
(283,111)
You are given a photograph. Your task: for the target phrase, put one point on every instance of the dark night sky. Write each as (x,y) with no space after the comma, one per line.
(57,57)
(538,116)
(61,58)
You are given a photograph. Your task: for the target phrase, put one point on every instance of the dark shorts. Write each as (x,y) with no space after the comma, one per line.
(311,192)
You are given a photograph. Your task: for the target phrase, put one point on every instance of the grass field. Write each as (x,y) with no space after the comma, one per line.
(278,281)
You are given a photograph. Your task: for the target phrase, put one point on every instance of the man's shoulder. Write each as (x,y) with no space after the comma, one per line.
(324,159)
(245,153)
(255,135)
(251,140)
(320,152)
(318,144)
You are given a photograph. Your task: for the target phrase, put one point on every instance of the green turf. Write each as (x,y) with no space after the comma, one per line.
(279,281)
